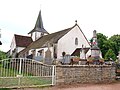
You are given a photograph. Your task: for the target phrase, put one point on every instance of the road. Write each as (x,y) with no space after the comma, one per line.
(113,86)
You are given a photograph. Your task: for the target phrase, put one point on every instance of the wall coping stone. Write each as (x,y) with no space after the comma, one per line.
(78,66)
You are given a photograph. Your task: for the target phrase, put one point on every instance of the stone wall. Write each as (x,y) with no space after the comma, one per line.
(67,74)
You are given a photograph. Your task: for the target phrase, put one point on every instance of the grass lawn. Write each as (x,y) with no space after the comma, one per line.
(24,81)
(5,89)
(10,79)
(7,72)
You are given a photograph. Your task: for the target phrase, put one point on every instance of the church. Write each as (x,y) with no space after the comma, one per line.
(41,44)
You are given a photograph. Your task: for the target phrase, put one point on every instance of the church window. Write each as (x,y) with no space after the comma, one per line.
(76,41)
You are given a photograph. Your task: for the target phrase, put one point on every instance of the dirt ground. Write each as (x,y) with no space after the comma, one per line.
(112,86)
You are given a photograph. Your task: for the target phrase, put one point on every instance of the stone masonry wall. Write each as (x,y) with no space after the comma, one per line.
(84,74)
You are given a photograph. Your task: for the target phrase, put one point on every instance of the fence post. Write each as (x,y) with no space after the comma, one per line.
(53,74)
(19,74)
(20,66)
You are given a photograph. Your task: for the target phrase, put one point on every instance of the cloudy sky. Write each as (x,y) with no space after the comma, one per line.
(19,17)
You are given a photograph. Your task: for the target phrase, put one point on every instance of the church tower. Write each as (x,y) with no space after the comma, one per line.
(38,30)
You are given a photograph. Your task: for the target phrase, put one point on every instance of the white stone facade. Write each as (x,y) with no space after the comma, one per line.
(67,42)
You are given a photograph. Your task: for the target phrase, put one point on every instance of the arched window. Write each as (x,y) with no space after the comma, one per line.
(76,41)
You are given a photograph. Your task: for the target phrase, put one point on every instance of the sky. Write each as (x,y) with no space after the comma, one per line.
(19,17)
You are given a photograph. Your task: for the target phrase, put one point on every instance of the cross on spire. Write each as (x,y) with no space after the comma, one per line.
(76,21)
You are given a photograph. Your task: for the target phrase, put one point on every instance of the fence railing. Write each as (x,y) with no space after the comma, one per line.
(25,72)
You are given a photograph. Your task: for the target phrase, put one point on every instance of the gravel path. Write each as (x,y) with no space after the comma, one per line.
(114,86)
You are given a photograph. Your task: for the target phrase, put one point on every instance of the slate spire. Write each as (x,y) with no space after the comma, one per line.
(39,25)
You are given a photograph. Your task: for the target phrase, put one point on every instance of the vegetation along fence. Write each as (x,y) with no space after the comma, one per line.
(22,72)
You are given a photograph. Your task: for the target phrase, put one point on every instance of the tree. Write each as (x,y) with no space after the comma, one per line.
(105,43)
(110,55)
(102,43)
(116,43)
(2,55)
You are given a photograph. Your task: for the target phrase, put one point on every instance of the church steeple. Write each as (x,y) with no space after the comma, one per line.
(39,28)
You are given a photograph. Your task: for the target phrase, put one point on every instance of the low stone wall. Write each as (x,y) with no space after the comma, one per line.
(67,74)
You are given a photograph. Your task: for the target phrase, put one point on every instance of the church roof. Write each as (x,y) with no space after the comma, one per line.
(39,25)
(51,38)
(22,41)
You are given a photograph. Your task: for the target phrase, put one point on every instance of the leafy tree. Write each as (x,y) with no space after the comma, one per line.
(102,43)
(110,55)
(2,55)
(105,43)
(116,43)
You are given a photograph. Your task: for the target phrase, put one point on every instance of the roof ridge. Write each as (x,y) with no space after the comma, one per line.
(65,29)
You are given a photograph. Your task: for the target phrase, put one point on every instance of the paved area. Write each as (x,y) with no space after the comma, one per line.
(113,86)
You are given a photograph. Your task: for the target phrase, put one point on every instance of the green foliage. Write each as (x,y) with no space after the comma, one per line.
(5,89)
(110,54)
(2,55)
(25,81)
(102,43)
(116,45)
(105,44)
(12,72)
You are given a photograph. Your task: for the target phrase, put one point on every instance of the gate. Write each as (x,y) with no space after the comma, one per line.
(22,72)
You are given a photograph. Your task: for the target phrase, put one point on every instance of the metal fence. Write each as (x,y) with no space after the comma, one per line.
(22,72)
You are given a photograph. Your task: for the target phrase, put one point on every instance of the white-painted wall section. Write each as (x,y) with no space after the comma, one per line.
(44,50)
(67,42)
(20,49)
(33,36)
(13,45)
(14,48)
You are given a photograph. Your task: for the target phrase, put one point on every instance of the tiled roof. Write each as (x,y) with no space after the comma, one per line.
(22,41)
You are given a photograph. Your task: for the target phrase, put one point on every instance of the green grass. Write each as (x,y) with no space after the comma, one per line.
(24,81)
(10,72)
(5,89)
(35,81)
(27,80)
(7,72)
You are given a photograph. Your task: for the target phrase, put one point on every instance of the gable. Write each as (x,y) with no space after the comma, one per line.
(67,42)
(13,44)
(72,35)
